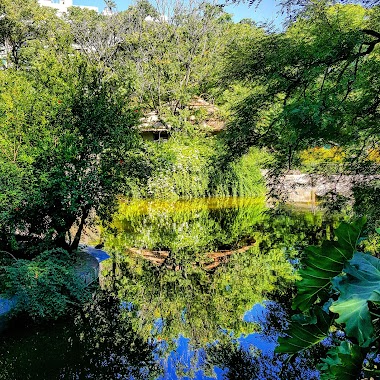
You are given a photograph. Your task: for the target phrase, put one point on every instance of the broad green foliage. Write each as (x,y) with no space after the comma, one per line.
(323,263)
(342,362)
(360,284)
(354,286)
(303,336)
(67,145)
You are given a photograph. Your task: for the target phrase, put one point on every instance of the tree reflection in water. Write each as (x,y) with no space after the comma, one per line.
(177,288)
(253,357)
(98,343)
(186,305)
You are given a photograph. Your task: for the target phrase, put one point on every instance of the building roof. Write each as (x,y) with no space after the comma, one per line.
(63,5)
(152,122)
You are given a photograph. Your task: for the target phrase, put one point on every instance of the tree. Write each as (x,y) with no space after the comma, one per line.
(172,54)
(67,126)
(100,38)
(20,23)
(293,7)
(316,83)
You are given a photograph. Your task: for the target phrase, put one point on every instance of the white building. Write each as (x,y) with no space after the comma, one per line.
(62,5)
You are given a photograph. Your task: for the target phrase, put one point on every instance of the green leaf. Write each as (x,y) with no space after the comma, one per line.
(372,373)
(304,319)
(342,362)
(360,285)
(302,336)
(323,263)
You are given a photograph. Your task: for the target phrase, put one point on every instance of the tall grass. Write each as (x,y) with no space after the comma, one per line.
(241,177)
(185,167)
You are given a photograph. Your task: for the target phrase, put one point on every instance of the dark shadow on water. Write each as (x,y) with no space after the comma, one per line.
(94,343)
(175,297)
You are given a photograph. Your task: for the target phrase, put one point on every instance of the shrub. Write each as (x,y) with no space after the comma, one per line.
(241,177)
(181,167)
(185,167)
(45,286)
(316,159)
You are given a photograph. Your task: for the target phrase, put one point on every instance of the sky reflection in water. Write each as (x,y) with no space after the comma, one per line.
(197,289)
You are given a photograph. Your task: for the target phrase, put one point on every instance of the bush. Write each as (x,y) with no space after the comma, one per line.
(179,168)
(241,177)
(321,159)
(185,167)
(45,286)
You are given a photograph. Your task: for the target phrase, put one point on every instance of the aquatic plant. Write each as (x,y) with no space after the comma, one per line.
(339,289)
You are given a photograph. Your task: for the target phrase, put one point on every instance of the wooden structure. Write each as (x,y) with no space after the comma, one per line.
(154,128)
(213,259)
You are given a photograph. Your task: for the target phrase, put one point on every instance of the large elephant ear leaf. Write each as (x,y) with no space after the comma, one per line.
(342,362)
(323,263)
(302,336)
(360,285)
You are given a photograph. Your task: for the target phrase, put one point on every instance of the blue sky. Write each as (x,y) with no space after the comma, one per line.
(265,12)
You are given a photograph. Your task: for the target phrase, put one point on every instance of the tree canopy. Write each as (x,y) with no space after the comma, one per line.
(66,124)
(314,84)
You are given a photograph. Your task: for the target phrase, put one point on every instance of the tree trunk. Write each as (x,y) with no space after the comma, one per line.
(75,243)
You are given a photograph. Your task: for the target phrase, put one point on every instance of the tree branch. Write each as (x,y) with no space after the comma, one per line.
(372,33)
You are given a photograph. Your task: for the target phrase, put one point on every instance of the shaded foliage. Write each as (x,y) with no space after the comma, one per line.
(98,343)
(313,84)
(347,305)
(45,287)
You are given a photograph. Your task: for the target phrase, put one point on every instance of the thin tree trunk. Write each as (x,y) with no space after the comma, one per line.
(75,243)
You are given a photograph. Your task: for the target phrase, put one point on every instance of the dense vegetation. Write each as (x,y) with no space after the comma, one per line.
(332,300)
(74,87)
(76,91)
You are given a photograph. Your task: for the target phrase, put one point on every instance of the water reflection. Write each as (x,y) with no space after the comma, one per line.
(221,256)
(253,357)
(96,343)
(174,295)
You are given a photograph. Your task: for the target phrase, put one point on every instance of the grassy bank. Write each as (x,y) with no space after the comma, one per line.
(187,166)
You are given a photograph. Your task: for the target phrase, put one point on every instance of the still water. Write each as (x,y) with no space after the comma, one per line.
(194,289)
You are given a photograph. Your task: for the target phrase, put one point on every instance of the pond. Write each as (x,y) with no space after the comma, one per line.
(194,289)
